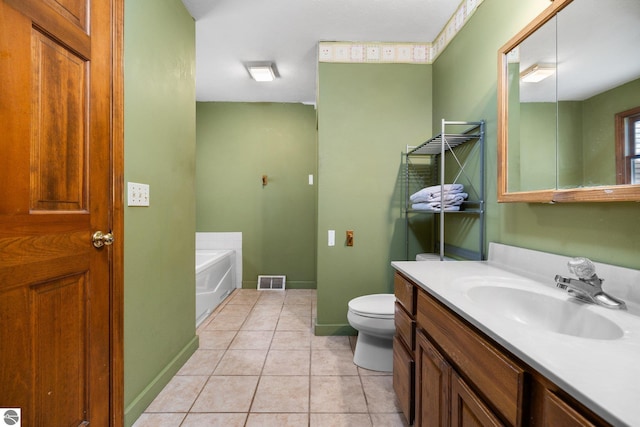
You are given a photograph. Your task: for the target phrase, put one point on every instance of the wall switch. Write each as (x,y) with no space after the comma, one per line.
(137,194)
(310,179)
(332,237)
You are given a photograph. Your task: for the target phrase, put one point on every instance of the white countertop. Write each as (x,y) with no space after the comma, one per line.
(604,375)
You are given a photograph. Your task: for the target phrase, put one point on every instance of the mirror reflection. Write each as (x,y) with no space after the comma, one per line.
(573,99)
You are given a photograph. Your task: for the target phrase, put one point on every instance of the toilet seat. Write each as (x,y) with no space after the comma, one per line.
(378,306)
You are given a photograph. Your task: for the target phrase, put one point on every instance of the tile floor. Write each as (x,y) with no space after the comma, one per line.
(259,364)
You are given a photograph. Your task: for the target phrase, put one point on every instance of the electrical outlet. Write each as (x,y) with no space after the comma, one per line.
(138,194)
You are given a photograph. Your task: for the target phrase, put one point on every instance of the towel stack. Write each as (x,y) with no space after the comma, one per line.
(439,198)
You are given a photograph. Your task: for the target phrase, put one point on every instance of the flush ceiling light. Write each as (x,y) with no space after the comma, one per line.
(537,73)
(263,72)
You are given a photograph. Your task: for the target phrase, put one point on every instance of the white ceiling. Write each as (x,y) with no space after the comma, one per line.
(230,33)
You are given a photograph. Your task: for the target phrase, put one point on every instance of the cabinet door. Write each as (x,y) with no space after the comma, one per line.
(403,374)
(558,413)
(433,384)
(467,409)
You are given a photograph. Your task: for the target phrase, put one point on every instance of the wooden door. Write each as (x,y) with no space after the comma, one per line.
(56,129)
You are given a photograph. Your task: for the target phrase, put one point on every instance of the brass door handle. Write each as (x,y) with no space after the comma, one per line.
(101,239)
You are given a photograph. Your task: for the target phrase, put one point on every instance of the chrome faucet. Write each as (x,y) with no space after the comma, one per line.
(588,286)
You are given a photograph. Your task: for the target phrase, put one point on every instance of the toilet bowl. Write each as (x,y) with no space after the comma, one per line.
(372,317)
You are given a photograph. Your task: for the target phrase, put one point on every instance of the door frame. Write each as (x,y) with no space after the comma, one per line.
(116,321)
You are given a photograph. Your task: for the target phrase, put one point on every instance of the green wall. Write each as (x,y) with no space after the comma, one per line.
(237,143)
(367,114)
(159,275)
(465,82)
(537,147)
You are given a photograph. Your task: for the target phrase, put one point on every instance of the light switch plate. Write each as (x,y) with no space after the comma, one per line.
(331,237)
(138,194)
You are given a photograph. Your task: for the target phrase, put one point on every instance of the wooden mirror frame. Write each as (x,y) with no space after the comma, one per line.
(608,193)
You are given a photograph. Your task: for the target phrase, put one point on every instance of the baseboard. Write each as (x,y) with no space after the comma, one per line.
(133,411)
(329,329)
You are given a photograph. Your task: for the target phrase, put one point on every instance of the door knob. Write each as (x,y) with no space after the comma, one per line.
(101,239)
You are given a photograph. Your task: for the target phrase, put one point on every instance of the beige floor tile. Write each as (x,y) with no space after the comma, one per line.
(266,310)
(297,309)
(226,394)
(332,362)
(261,322)
(340,420)
(246,296)
(379,393)
(353,339)
(252,340)
(159,420)
(255,383)
(369,372)
(292,340)
(178,395)
(389,420)
(339,394)
(330,342)
(241,362)
(277,420)
(282,394)
(236,309)
(298,298)
(292,322)
(202,362)
(224,322)
(271,297)
(215,340)
(218,419)
(287,362)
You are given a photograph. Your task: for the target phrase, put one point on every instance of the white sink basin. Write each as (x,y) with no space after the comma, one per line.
(545,312)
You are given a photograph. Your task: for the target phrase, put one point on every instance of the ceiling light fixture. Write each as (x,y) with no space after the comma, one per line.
(262,72)
(537,73)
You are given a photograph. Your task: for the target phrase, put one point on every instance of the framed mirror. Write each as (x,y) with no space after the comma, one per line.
(569,105)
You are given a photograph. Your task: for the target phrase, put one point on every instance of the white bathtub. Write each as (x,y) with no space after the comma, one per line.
(215,280)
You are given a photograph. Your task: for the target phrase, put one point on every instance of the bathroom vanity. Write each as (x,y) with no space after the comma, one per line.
(496,343)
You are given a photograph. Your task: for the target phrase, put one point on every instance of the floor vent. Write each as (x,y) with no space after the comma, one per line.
(271,282)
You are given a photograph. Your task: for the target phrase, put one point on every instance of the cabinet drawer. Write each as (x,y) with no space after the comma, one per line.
(405,327)
(498,378)
(403,375)
(405,292)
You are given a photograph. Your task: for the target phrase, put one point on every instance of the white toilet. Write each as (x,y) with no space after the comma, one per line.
(372,317)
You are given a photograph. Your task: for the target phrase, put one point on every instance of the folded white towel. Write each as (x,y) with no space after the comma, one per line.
(434,207)
(428,192)
(437,197)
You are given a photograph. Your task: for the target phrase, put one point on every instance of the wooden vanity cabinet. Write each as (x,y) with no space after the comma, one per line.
(460,377)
